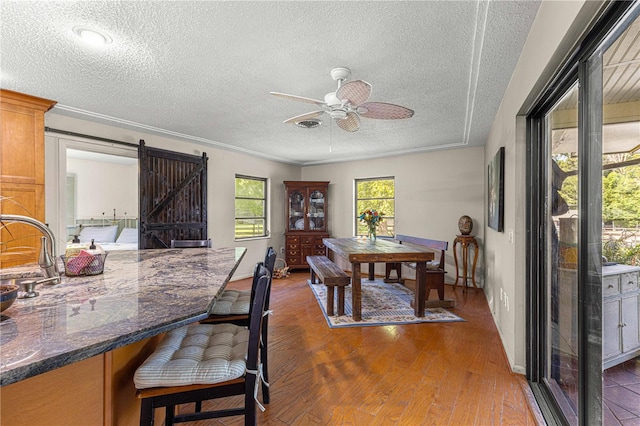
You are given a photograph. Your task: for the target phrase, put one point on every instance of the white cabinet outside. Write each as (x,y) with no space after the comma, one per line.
(620,314)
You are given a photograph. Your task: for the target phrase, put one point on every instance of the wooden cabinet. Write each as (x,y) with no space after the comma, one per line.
(306,221)
(21,173)
(620,314)
(95,391)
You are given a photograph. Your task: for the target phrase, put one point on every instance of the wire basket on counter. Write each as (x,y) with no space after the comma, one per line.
(84,263)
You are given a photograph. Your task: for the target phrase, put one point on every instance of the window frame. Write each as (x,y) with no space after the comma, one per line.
(265,200)
(357,199)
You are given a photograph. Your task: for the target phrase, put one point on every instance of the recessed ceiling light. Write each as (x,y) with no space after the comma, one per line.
(92,37)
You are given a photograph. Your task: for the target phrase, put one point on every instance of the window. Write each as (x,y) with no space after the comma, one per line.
(251,207)
(376,194)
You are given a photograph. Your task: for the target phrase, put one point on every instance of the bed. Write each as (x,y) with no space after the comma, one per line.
(112,234)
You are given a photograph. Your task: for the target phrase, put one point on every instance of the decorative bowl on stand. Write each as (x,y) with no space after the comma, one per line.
(465,225)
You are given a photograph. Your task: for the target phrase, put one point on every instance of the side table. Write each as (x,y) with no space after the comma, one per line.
(465,241)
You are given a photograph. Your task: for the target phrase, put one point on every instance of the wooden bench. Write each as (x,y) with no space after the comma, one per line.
(332,276)
(435,277)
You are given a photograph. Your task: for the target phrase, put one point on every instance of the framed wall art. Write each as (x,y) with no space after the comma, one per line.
(495,191)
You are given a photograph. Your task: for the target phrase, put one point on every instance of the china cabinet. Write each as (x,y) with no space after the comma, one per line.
(306,221)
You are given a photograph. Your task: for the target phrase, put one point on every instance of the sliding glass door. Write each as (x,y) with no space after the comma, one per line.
(621,228)
(584,302)
(561,252)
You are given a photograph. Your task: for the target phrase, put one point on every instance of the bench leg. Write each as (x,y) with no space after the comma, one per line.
(441,290)
(435,281)
(313,276)
(341,300)
(330,296)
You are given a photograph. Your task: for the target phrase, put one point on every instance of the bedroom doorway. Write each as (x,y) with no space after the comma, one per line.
(96,195)
(102,197)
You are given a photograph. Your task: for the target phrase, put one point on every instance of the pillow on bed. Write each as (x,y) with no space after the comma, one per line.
(105,234)
(128,236)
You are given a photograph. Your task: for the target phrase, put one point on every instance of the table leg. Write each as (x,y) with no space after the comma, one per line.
(465,260)
(421,288)
(356,295)
(372,271)
(475,261)
(455,259)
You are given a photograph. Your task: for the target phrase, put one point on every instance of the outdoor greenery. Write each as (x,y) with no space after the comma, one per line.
(250,207)
(379,195)
(619,251)
(620,203)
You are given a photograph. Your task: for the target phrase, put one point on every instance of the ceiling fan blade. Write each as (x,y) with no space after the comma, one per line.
(384,111)
(304,116)
(350,124)
(298,98)
(356,92)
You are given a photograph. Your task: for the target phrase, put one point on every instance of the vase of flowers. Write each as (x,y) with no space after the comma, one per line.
(372,219)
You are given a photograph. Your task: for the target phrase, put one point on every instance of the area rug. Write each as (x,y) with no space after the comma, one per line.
(382,304)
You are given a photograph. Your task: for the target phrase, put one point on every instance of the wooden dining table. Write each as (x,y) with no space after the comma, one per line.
(382,250)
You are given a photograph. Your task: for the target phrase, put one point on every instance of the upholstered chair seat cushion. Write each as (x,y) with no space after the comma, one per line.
(232,302)
(196,354)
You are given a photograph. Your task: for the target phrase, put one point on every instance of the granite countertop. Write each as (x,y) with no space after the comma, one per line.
(139,295)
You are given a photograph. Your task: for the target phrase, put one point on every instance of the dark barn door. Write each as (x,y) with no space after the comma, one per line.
(173,197)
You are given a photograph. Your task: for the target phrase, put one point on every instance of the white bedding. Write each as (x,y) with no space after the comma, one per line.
(106,237)
(119,246)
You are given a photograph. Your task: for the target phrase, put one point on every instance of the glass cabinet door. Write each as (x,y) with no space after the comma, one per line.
(296,210)
(317,210)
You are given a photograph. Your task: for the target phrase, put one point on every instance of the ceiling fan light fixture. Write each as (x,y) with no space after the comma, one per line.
(338,114)
(331,99)
(311,123)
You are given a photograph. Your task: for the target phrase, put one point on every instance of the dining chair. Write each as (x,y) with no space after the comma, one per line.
(233,307)
(201,362)
(191,243)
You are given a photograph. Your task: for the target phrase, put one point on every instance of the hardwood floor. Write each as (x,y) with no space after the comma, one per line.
(418,374)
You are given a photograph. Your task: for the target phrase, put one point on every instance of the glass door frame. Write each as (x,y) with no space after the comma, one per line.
(584,67)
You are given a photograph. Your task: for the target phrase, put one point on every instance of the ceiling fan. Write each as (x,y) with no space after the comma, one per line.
(346,105)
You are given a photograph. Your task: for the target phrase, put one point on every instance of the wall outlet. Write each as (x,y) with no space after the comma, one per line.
(281,250)
(510,233)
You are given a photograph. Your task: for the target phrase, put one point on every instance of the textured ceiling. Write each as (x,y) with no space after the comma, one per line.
(203,70)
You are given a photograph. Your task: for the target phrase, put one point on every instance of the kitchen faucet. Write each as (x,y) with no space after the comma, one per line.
(48,265)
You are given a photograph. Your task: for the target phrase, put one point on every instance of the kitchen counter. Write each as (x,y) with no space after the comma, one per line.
(140,294)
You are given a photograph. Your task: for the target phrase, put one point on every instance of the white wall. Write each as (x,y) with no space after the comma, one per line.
(557,27)
(433,190)
(222,167)
(102,187)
